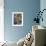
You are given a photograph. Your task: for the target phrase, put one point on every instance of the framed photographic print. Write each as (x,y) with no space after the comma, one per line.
(17,18)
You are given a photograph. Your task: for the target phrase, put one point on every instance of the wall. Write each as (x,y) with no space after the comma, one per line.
(28,7)
(43,6)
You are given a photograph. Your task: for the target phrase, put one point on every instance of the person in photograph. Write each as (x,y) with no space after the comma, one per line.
(17,19)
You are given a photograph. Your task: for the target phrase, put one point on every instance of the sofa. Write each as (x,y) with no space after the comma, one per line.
(38,37)
(39,33)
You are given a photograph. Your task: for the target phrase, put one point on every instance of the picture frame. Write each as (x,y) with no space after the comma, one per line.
(17,18)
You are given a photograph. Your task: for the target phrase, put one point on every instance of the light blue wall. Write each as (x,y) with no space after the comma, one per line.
(43,6)
(28,7)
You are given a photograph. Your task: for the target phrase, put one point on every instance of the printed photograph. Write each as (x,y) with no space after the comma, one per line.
(17,18)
